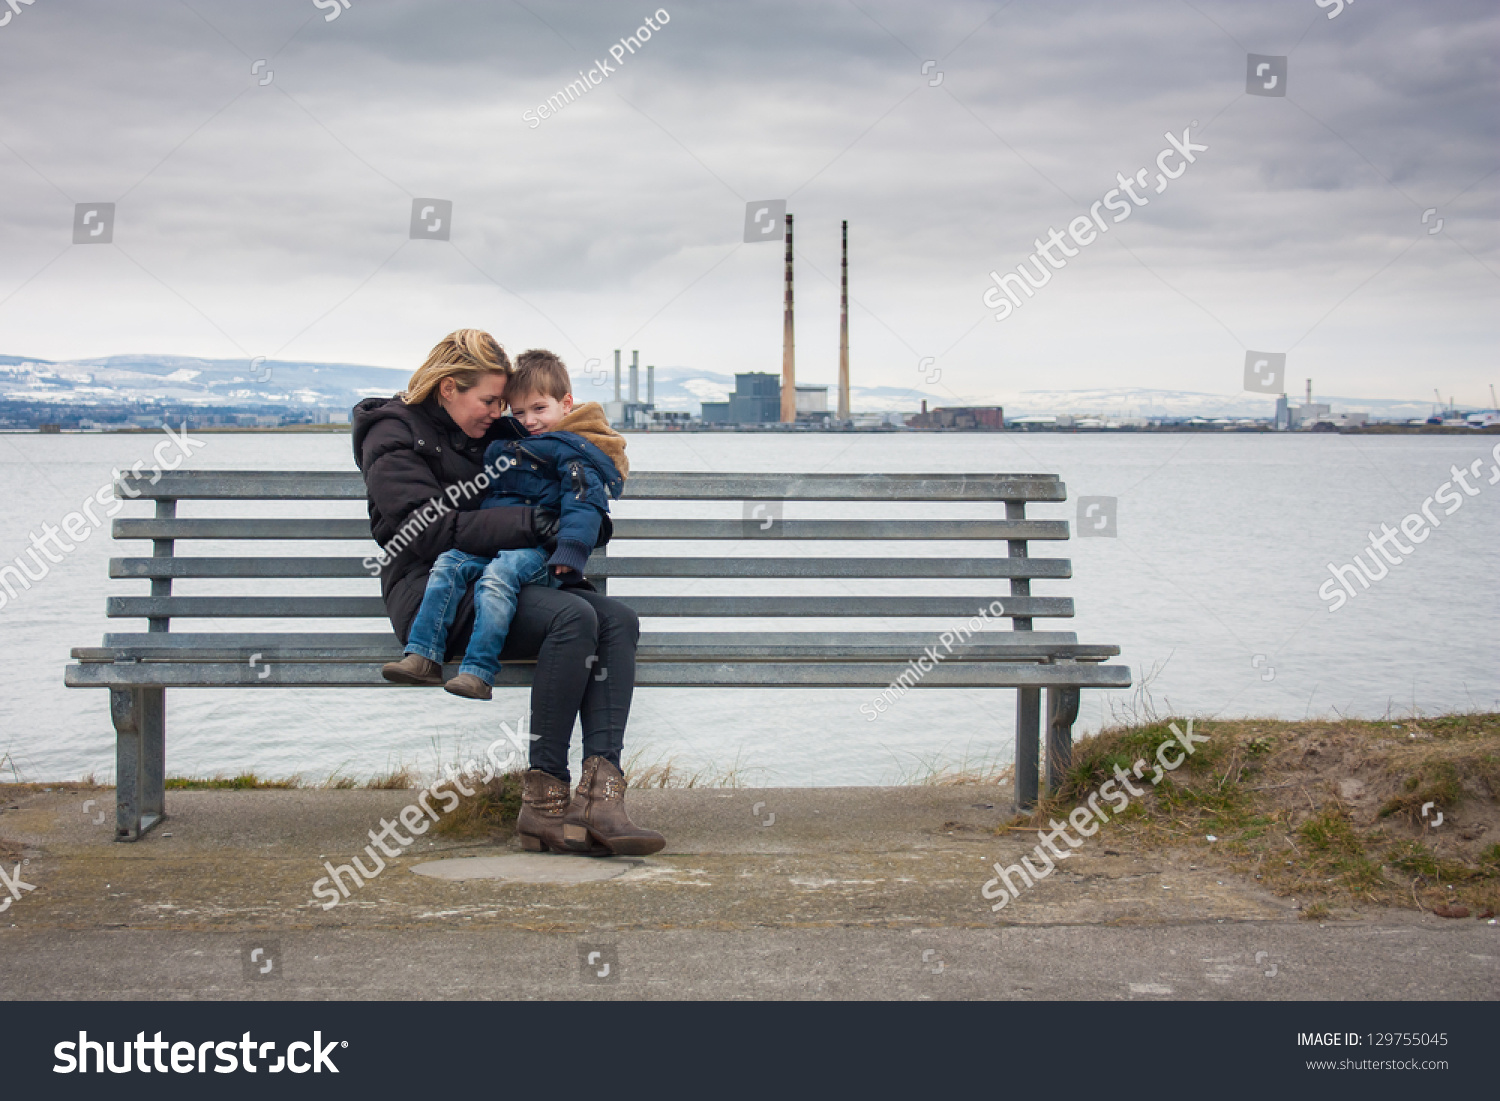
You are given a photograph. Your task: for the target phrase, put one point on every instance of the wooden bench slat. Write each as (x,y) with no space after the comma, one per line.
(310,566)
(304,567)
(711,607)
(823,647)
(358,641)
(243,607)
(649,674)
(379,642)
(711,485)
(674,528)
(680,639)
(268,528)
(327,485)
(624,528)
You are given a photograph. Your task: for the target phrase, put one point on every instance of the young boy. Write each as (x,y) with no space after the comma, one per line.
(571,466)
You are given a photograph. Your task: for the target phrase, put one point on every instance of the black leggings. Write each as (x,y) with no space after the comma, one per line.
(584,644)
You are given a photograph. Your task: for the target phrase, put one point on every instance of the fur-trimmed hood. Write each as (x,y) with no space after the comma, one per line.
(588,420)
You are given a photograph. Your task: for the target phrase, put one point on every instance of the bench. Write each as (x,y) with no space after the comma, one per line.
(138,668)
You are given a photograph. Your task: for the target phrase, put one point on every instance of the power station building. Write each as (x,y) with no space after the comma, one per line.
(962,416)
(812,404)
(633,413)
(756,400)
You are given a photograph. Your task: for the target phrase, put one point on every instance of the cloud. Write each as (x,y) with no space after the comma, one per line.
(272,219)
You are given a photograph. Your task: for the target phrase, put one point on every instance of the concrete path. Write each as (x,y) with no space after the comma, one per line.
(783,893)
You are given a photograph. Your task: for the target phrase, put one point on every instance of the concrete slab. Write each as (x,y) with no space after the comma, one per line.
(847,893)
(529,868)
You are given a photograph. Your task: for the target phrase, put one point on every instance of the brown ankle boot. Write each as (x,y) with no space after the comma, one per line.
(597,815)
(412,669)
(469,686)
(544,802)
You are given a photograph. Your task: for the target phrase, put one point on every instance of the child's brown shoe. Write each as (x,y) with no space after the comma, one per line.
(413,669)
(469,686)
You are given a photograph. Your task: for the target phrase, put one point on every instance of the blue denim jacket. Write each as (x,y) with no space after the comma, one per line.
(562,473)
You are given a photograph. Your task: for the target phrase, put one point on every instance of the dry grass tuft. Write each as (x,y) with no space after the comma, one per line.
(403,778)
(1331,812)
(984,771)
(245,781)
(668,774)
(490,812)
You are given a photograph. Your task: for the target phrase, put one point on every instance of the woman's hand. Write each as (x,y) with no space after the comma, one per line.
(545,524)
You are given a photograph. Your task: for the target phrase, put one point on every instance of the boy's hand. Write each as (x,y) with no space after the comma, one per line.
(560,570)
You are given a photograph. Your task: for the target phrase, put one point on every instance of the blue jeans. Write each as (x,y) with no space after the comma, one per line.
(499,580)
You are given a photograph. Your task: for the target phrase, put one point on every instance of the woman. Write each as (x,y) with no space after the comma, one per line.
(420,453)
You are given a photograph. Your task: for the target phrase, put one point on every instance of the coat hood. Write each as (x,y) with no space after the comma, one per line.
(588,421)
(369,413)
(419,420)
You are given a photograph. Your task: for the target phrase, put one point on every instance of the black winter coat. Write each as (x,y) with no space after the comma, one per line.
(410,455)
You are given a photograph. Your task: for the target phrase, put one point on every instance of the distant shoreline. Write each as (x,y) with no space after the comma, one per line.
(776,430)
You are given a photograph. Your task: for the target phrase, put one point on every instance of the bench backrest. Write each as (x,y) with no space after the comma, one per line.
(783,508)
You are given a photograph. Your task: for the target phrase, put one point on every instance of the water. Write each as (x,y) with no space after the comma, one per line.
(1212,582)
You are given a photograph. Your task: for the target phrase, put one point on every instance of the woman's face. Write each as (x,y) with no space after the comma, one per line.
(476,409)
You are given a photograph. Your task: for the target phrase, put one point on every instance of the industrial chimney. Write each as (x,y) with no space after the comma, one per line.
(635,377)
(617,374)
(788,356)
(650,385)
(844,331)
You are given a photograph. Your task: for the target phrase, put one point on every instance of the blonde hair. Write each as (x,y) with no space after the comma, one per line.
(465,356)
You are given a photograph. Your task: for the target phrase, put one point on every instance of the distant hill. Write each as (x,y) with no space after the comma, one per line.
(185,380)
(113,380)
(1140,402)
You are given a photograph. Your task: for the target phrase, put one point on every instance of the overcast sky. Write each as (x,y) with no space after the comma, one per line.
(273,218)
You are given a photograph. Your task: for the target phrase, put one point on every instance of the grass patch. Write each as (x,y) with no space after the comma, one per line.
(245,781)
(490,812)
(1326,812)
(402,778)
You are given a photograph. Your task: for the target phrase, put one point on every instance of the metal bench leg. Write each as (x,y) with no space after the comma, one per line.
(139,716)
(1028,723)
(1062,712)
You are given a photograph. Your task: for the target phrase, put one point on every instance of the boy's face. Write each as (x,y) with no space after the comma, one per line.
(539,412)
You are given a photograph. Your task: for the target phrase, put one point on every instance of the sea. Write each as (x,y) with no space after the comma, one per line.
(1203,562)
